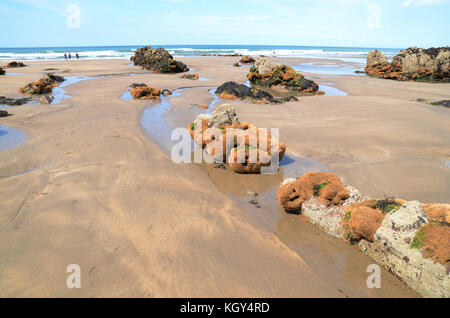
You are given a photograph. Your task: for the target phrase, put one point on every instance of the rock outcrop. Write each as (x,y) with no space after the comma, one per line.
(265,65)
(407,238)
(247,60)
(145,92)
(15,64)
(282,76)
(157,60)
(376,57)
(2,71)
(13,101)
(244,147)
(325,186)
(3,113)
(233,90)
(193,76)
(42,86)
(413,64)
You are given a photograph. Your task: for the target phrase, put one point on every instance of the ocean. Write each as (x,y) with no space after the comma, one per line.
(355,54)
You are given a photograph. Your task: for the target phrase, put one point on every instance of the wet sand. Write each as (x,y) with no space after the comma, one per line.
(89,187)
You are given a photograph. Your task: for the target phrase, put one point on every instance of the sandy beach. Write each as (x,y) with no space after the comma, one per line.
(90,185)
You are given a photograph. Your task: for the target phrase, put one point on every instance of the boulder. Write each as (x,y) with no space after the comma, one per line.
(247,60)
(46,99)
(3,113)
(15,64)
(13,101)
(415,64)
(222,116)
(37,88)
(166,92)
(265,65)
(236,64)
(233,90)
(53,79)
(363,222)
(283,76)
(325,186)
(157,60)
(193,76)
(2,71)
(145,93)
(376,57)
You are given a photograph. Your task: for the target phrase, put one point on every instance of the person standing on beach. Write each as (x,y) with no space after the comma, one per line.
(70,56)
(77,56)
(65,56)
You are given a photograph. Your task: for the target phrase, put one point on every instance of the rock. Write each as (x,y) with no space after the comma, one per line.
(36,88)
(134,85)
(46,99)
(247,60)
(437,212)
(145,93)
(42,86)
(363,222)
(193,76)
(223,115)
(285,77)
(13,102)
(265,65)
(287,180)
(325,186)
(3,113)
(15,64)
(233,90)
(444,103)
(376,57)
(436,238)
(2,71)
(166,92)
(236,64)
(360,72)
(157,60)
(415,64)
(249,166)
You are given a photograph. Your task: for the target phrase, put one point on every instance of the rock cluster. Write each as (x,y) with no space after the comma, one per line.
(144,92)
(42,86)
(13,101)
(282,76)
(412,64)
(15,64)
(233,90)
(247,60)
(191,76)
(157,60)
(408,238)
(244,147)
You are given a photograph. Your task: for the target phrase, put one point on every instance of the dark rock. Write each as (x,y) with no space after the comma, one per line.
(15,64)
(191,76)
(52,78)
(444,103)
(166,92)
(157,60)
(13,102)
(3,113)
(233,90)
(2,71)
(247,60)
(360,72)
(134,85)
(46,99)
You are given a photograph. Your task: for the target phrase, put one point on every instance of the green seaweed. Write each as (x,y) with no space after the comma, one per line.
(319,187)
(418,239)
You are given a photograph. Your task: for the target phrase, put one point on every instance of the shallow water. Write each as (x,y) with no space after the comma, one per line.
(10,138)
(447,163)
(8,73)
(331,90)
(329,69)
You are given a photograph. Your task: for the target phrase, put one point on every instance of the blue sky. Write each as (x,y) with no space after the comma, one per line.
(371,23)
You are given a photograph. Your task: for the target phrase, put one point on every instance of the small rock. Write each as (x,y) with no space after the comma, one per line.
(252,194)
(3,113)
(46,99)
(166,92)
(220,166)
(224,115)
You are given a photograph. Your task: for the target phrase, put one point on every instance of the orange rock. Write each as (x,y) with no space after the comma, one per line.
(145,93)
(364,222)
(436,242)
(326,186)
(203,106)
(438,212)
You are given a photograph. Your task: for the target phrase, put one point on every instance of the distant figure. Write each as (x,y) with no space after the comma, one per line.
(70,56)
(78,56)
(65,56)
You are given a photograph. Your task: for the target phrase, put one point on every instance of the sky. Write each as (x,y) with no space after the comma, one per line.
(360,23)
